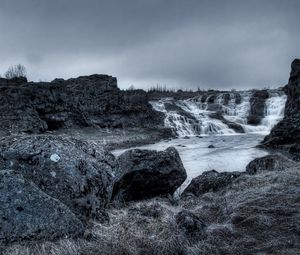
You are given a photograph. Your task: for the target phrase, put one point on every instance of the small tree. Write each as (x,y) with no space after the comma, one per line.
(15,71)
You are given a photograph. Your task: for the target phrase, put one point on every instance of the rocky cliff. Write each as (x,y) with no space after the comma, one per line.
(84,101)
(286,134)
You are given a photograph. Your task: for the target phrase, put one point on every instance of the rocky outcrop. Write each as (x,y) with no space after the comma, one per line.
(273,162)
(76,173)
(210,181)
(26,212)
(257,106)
(232,125)
(286,133)
(145,174)
(85,101)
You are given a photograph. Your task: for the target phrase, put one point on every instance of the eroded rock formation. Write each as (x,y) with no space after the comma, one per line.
(85,101)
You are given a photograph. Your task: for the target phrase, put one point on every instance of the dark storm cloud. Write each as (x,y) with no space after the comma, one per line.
(191,43)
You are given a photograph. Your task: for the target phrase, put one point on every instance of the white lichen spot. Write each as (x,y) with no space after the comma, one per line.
(55,158)
(53,174)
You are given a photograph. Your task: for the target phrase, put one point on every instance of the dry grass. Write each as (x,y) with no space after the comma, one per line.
(257,215)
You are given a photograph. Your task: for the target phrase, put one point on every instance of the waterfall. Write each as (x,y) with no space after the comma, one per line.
(216,113)
(274,111)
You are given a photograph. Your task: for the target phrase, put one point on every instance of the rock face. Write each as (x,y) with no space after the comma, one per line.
(76,173)
(257,106)
(145,174)
(274,162)
(287,132)
(26,212)
(85,101)
(210,181)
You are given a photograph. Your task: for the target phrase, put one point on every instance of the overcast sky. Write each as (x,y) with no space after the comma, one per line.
(180,43)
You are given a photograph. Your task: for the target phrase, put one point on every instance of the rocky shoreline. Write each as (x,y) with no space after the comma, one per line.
(61,193)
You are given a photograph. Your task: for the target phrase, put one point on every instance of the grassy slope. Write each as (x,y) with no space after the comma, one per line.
(256,215)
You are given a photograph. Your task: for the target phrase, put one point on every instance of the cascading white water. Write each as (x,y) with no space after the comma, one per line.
(274,111)
(198,119)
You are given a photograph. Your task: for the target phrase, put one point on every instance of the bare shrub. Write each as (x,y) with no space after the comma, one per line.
(15,71)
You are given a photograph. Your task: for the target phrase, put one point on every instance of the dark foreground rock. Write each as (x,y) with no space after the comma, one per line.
(26,212)
(145,174)
(210,181)
(76,173)
(287,132)
(273,162)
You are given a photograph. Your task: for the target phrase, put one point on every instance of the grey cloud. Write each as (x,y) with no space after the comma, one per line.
(212,44)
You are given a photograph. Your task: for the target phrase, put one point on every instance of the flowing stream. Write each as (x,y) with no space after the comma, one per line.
(196,131)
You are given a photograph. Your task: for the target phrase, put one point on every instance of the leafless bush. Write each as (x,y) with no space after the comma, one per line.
(15,71)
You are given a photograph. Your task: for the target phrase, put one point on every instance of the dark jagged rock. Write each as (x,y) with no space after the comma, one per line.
(234,126)
(257,106)
(145,174)
(273,162)
(210,181)
(28,213)
(85,101)
(76,173)
(287,132)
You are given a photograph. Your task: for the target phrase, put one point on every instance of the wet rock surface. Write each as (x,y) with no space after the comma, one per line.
(76,173)
(27,212)
(145,174)
(257,106)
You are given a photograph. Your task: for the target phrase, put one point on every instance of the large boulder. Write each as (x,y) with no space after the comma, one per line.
(76,173)
(287,132)
(210,181)
(273,162)
(26,212)
(145,174)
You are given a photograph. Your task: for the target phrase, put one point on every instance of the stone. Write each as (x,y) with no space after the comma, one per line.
(78,174)
(273,162)
(26,212)
(210,181)
(145,174)
(257,106)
